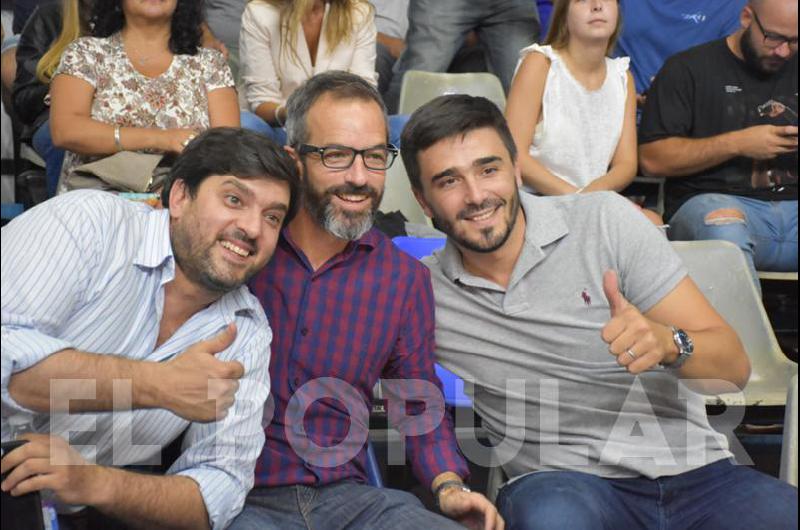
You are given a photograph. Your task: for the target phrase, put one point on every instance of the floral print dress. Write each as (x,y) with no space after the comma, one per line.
(123,96)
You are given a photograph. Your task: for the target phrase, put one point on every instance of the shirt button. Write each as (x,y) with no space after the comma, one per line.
(296,382)
(304,332)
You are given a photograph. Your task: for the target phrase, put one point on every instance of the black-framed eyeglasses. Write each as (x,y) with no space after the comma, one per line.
(773,40)
(342,156)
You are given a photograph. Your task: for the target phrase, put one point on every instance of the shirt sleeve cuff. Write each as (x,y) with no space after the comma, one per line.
(216,487)
(435,458)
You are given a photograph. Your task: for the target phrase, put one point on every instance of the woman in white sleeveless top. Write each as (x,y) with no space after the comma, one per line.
(572,109)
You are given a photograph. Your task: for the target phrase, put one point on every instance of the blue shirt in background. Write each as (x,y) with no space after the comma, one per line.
(654,30)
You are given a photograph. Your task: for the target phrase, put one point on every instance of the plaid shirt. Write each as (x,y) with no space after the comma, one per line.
(367,313)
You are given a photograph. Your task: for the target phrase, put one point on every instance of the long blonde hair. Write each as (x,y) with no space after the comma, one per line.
(72,27)
(558,35)
(339,28)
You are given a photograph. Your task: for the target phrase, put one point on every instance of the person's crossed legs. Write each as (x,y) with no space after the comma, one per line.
(765,231)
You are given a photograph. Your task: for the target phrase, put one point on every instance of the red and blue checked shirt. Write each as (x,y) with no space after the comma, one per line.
(368,313)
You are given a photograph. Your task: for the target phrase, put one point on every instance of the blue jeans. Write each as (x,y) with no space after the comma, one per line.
(336,506)
(721,495)
(437,29)
(252,122)
(52,155)
(767,235)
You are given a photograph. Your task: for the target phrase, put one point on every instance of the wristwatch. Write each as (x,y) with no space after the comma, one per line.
(446,485)
(685,346)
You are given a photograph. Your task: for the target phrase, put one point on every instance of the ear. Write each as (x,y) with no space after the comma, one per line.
(518,173)
(426,209)
(179,198)
(746,17)
(299,163)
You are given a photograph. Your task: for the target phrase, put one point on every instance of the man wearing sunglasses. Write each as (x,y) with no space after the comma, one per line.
(720,124)
(349,308)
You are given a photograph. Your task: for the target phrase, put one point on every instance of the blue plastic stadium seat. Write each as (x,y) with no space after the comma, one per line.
(10,210)
(419,247)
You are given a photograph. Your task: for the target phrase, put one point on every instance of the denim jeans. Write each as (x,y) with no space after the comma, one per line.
(721,495)
(336,506)
(437,29)
(252,122)
(767,234)
(52,155)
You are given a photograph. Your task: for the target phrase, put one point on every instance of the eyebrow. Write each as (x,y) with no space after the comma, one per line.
(245,190)
(477,163)
(376,146)
(281,206)
(238,185)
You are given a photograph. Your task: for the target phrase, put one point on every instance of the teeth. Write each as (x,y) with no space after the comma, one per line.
(482,217)
(353,198)
(233,248)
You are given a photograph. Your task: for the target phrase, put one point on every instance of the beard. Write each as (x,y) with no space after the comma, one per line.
(489,240)
(197,263)
(343,224)
(762,65)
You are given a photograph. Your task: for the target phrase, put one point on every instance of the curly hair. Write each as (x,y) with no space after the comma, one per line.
(186,35)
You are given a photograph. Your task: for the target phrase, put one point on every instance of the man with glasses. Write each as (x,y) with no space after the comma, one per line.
(346,308)
(720,124)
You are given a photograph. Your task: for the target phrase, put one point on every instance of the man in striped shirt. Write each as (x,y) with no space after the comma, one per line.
(124,327)
(347,307)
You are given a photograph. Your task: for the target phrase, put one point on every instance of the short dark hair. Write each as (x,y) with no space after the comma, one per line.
(186,32)
(337,84)
(445,117)
(236,152)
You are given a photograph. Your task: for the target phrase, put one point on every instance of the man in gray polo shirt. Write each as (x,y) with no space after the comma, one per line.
(577,323)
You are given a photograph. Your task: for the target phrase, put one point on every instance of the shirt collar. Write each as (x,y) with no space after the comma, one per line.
(156,251)
(156,246)
(544,224)
(368,241)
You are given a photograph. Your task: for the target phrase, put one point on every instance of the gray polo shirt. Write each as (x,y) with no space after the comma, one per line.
(546,385)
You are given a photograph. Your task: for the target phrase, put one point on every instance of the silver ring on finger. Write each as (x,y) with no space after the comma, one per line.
(630,353)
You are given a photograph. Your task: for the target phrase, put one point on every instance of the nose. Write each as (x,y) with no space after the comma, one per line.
(358,174)
(475,194)
(597,5)
(251,223)
(784,51)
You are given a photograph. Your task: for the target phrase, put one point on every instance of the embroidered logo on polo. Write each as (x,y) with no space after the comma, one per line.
(586,298)
(733,89)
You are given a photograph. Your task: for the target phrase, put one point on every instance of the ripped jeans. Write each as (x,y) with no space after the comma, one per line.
(765,231)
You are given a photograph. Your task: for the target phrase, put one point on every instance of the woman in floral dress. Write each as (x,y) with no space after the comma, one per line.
(142,82)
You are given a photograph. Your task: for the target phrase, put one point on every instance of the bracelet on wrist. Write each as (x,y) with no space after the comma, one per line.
(449,484)
(278,119)
(118,138)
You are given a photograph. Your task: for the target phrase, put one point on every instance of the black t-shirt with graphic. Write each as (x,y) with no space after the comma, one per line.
(706,91)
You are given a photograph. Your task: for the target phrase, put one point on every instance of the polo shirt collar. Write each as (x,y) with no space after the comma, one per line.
(544,224)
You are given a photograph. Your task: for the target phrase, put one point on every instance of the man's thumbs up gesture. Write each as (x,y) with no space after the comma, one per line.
(637,342)
(202,387)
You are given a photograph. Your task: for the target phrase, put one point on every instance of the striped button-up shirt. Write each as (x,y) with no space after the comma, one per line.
(87,270)
(367,313)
